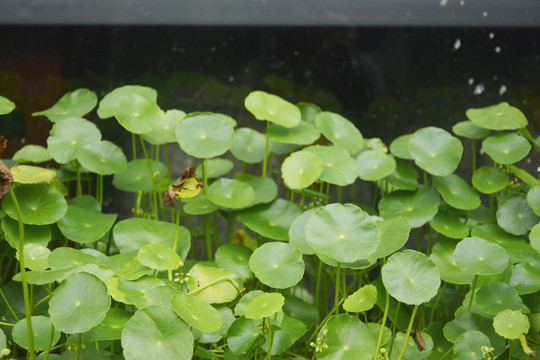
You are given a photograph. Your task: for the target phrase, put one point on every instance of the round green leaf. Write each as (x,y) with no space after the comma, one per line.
(235,257)
(197,313)
(132,234)
(159,257)
(374,165)
(33,234)
(39,204)
(230,193)
(272,108)
(85,225)
(435,150)
(511,324)
(526,275)
(347,338)
(400,147)
(514,245)
(301,169)
(340,131)
(66,257)
(199,205)
(136,176)
(32,153)
(155,333)
(495,297)
(468,130)
(265,189)
(242,334)
(443,256)
(468,345)
(393,233)
(42,332)
(404,176)
(277,264)
(271,220)
(497,117)
(164,131)
(205,136)
(6,106)
(216,168)
(361,300)
(515,215)
(533,199)
(160,295)
(68,136)
(290,330)
(111,327)
(136,114)
(456,192)
(534,237)
(297,234)
(248,145)
(471,321)
(131,292)
(110,101)
(339,167)
(264,305)
(477,256)
(449,225)
(345,233)
(490,179)
(103,158)
(79,303)
(75,103)
(240,308)
(411,277)
(418,207)
(302,134)
(309,111)
(506,148)
(35,256)
(213,284)
(25,174)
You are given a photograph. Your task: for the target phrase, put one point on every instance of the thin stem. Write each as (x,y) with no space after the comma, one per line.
(447,353)
(8,305)
(265,162)
(50,342)
(152,201)
(336,293)
(408,333)
(133,146)
(374,203)
(473,289)
(27,307)
(318,284)
(437,302)
(79,185)
(270,339)
(394,325)
(232,228)
(473,143)
(168,161)
(6,324)
(383,324)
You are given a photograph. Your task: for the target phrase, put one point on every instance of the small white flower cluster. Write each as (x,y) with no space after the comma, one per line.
(5,352)
(383,355)
(487,352)
(319,344)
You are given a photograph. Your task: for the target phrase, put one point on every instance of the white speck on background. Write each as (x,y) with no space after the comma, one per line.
(498,49)
(457,44)
(491,35)
(502,90)
(444,2)
(231,78)
(471,81)
(462,2)
(479,89)
(485,14)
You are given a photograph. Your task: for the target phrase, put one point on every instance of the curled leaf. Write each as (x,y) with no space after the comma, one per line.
(526,349)
(6,178)
(418,339)
(189,186)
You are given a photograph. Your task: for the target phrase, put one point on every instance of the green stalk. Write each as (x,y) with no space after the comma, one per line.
(100,188)
(152,200)
(134,146)
(8,305)
(79,185)
(206,218)
(473,289)
(394,325)
(265,162)
(232,228)
(27,307)
(318,284)
(168,161)
(336,293)
(270,338)
(383,324)
(473,154)
(437,302)
(408,333)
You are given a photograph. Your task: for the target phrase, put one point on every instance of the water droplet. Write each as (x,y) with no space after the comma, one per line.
(485,14)
(457,44)
(491,35)
(502,90)
(471,81)
(498,49)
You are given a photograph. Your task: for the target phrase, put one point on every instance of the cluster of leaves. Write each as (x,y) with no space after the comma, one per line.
(299,275)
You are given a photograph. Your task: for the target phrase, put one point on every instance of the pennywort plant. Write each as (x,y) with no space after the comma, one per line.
(281,259)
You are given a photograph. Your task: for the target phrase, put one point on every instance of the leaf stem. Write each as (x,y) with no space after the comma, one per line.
(408,333)
(336,293)
(265,161)
(473,289)
(27,307)
(8,305)
(270,339)
(383,324)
